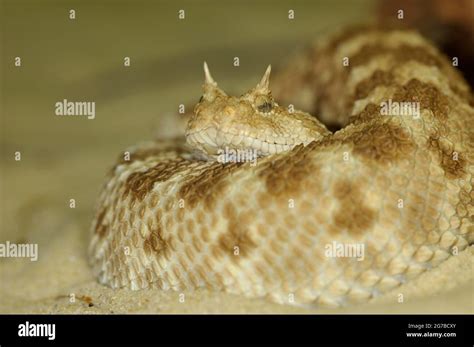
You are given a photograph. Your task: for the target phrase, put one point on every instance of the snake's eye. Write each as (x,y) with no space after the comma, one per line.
(264,104)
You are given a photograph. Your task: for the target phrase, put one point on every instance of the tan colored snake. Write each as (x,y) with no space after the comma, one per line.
(312,217)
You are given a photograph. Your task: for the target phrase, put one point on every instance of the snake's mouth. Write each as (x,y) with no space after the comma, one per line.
(212,140)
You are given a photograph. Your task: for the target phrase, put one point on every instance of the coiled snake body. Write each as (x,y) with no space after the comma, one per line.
(285,225)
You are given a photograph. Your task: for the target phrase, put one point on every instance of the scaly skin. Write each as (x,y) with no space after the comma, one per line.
(174,217)
(253,121)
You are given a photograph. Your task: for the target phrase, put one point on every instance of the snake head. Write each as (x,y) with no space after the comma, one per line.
(253,121)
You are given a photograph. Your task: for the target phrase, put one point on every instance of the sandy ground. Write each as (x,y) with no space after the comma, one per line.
(66,158)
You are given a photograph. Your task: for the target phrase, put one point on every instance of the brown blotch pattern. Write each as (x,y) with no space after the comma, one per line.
(352,215)
(370,112)
(382,142)
(314,55)
(100,227)
(155,242)
(452,168)
(366,86)
(236,236)
(285,178)
(402,53)
(139,184)
(346,35)
(426,94)
(306,71)
(207,185)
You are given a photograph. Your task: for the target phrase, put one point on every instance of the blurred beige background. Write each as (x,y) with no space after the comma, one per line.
(66,157)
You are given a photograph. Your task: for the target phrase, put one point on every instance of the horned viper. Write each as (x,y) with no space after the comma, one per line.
(282,225)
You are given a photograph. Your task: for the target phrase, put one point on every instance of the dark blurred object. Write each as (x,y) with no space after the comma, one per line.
(448,23)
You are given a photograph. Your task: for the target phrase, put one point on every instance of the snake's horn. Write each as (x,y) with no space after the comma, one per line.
(264,83)
(209,78)
(210,86)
